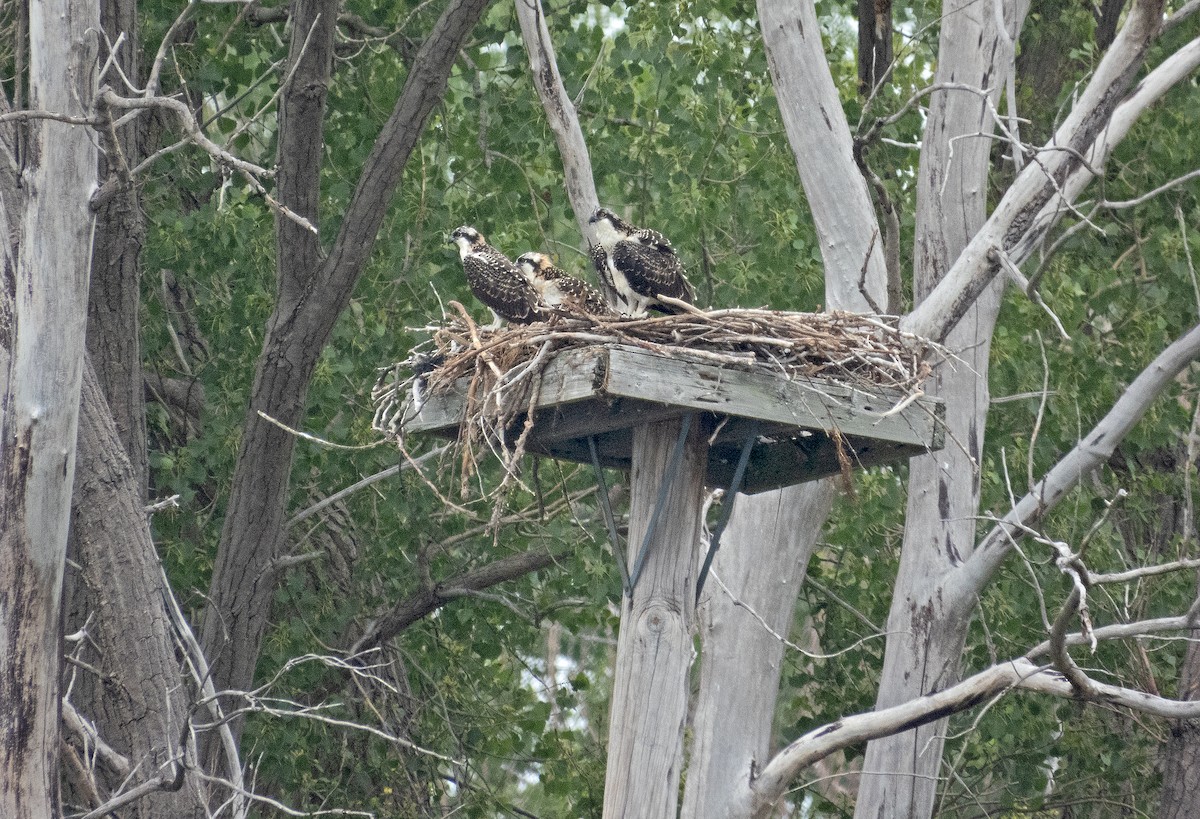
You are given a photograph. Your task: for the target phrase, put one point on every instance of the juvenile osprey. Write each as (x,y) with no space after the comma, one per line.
(495,280)
(557,289)
(640,263)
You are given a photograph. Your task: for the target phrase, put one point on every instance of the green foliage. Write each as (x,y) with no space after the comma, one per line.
(677,106)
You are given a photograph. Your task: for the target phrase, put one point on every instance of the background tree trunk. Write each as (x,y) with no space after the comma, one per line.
(1181,772)
(770,539)
(311,293)
(927,626)
(771,536)
(39,398)
(243,578)
(138,703)
(114,297)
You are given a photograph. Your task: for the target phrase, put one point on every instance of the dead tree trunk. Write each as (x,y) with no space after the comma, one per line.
(654,649)
(926,626)
(771,536)
(769,542)
(1181,773)
(39,397)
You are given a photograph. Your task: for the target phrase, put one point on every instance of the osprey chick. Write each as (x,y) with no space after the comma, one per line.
(495,280)
(557,289)
(639,263)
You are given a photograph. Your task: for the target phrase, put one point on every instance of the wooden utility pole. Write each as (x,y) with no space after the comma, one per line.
(654,649)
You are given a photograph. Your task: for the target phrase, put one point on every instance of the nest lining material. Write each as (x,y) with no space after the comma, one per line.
(850,349)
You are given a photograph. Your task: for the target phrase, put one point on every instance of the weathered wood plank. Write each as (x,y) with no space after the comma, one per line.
(755,394)
(574,375)
(607,391)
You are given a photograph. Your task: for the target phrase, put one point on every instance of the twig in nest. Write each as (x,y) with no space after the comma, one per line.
(498,370)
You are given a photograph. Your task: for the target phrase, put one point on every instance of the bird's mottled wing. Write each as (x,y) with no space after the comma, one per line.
(652,271)
(652,238)
(582,297)
(496,282)
(612,297)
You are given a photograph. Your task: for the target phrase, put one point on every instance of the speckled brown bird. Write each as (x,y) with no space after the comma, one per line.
(495,280)
(640,264)
(556,288)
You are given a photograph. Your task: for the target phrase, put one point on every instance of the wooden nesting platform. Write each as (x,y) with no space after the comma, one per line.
(607,390)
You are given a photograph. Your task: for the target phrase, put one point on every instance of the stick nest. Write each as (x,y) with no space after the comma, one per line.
(500,366)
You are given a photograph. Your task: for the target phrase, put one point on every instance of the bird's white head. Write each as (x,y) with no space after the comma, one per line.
(609,228)
(468,239)
(532,264)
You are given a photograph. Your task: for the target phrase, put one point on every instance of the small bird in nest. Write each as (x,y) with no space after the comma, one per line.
(637,265)
(495,280)
(556,288)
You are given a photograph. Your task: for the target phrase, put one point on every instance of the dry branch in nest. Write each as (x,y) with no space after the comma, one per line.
(498,369)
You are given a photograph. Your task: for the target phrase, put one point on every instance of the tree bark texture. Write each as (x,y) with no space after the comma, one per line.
(926,626)
(114,298)
(138,704)
(311,293)
(769,543)
(1180,797)
(654,647)
(874,43)
(851,242)
(39,399)
(564,122)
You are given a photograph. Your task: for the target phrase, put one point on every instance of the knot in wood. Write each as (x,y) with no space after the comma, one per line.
(658,618)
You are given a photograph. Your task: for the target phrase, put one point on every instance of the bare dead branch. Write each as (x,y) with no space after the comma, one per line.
(560,112)
(89,738)
(1033,203)
(107,98)
(763,792)
(430,599)
(1089,454)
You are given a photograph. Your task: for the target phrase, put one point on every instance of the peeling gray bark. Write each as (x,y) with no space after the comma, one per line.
(46,282)
(927,628)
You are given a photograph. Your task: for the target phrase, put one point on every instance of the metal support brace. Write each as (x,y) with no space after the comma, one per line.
(714,541)
(614,539)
